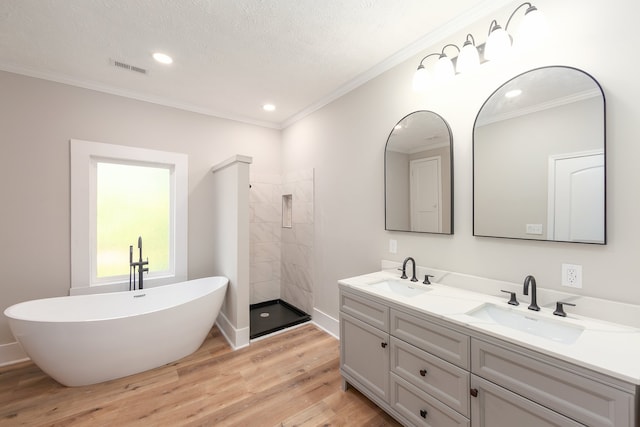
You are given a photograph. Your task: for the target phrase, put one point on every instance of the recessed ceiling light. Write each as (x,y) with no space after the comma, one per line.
(269,107)
(162,58)
(513,93)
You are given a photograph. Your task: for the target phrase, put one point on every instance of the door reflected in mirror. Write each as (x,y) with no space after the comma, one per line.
(539,159)
(419,175)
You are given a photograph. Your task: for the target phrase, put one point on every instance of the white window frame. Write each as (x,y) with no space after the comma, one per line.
(84,158)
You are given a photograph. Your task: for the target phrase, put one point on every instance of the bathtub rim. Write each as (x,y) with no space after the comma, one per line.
(220,281)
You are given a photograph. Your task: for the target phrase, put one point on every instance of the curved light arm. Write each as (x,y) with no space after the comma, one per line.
(446,46)
(467,41)
(493,26)
(529,9)
(421,62)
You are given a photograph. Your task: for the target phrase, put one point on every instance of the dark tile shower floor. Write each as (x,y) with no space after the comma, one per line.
(271,316)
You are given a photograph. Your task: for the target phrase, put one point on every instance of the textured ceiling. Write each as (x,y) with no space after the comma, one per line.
(230,56)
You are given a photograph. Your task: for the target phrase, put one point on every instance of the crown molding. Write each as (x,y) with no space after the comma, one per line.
(428,40)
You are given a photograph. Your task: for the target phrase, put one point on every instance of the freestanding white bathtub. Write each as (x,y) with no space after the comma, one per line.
(87,339)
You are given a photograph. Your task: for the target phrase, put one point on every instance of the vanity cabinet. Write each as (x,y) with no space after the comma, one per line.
(563,389)
(416,370)
(426,371)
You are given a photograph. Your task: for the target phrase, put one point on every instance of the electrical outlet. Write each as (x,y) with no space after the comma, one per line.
(572,275)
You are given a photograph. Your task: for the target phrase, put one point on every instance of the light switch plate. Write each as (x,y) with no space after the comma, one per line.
(534,229)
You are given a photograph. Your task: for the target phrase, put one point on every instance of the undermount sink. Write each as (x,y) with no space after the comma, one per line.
(529,323)
(406,289)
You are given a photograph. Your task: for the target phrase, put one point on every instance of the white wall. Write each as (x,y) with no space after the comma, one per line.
(344,142)
(230,197)
(37,119)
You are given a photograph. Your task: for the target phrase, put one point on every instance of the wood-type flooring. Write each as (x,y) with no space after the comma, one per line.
(288,379)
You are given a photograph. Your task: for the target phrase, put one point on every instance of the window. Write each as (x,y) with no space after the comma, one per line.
(119,193)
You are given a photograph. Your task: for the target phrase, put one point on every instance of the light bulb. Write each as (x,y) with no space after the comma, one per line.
(444,69)
(533,29)
(498,44)
(420,79)
(468,59)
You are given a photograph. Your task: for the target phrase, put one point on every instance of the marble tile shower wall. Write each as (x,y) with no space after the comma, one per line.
(280,258)
(265,222)
(297,242)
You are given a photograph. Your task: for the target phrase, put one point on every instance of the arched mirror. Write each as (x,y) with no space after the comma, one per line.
(418,171)
(539,159)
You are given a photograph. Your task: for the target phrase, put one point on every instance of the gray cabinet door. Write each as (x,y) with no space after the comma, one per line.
(573,395)
(364,356)
(495,406)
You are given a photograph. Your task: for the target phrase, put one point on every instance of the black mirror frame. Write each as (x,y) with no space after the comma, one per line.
(604,146)
(451,175)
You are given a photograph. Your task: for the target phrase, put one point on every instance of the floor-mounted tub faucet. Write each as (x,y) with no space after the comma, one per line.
(140,264)
(534,297)
(404,269)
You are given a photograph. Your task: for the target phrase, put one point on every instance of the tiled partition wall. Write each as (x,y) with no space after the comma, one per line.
(281,258)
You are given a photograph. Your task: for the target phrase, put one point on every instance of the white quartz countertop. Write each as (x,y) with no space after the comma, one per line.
(608,348)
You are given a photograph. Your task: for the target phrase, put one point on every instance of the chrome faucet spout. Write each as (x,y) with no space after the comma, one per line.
(530,280)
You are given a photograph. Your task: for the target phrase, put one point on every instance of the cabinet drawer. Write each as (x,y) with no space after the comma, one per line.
(495,406)
(368,311)
(444,381)
(443,342)
(571,394)
(420,408)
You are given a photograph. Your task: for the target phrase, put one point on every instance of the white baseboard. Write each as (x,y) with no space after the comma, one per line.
(326,323)
(237,338)
(12,353)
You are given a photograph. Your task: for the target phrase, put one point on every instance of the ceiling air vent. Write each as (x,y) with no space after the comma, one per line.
(126,66)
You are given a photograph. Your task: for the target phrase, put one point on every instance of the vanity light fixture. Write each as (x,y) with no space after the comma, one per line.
(444,69)
(163,58)
(469,58)
(498,44)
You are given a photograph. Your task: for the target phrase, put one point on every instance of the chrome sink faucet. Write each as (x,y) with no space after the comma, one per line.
(534,297)
(404,269)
